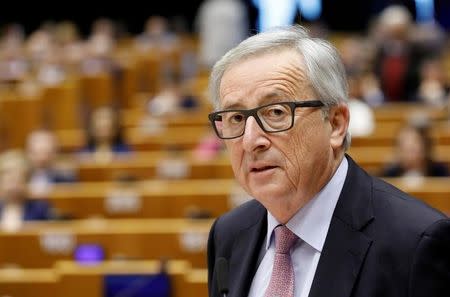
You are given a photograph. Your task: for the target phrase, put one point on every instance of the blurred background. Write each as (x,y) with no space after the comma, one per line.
(345,15)
(110,174)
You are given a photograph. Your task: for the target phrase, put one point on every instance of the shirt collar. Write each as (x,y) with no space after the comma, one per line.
(312,221)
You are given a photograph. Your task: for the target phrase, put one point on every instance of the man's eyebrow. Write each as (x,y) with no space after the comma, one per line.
(266,99)
(234,105)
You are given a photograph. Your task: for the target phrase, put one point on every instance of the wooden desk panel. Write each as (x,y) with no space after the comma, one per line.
(404,111)
(180,137)
(67,279)
(188,137)
(18,117)
(386,131)
(146,165)
(136,117)
(97,89)
(174,199)
(40,245)
(373,159)
(157,199)
(63,105)
(433,190)
(29,283)
(183,285)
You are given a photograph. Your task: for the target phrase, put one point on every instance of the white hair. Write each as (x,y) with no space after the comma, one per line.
(324,68)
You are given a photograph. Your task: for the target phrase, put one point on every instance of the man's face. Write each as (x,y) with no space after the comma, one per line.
(41,151)
(282,170)
(411,149)
(103,125)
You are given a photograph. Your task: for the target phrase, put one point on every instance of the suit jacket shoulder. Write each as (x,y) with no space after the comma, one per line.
(414,214)
(237,237)
(241,218)
(377,238)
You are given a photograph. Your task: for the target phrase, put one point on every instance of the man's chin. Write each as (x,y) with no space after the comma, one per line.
(268,192)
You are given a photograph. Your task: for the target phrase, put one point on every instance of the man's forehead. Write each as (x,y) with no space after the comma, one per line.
(264,78)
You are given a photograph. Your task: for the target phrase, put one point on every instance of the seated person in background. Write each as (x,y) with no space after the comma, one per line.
(15,205)
(208,148)
(42,152)
(362,121)
(174,97)
(433,89)
(414,155)
(104,137)
(157,35)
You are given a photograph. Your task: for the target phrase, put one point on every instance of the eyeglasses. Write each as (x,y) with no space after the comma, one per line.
(272,118)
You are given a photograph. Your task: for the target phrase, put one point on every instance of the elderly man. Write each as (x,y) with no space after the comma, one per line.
(319,225)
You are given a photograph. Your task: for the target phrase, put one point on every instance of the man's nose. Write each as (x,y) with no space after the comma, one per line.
(254,137)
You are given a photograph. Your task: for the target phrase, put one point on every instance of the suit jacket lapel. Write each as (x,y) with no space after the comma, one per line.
(346,245)
(245,256)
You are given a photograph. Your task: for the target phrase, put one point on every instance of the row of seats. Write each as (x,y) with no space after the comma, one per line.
(154,164)
(42,244)
(65,278)
(181,198)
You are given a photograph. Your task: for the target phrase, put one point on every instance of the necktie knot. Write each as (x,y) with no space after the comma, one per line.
(284,239)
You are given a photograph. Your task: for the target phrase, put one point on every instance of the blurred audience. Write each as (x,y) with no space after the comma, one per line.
(14,66)
(158,48)
(221,25)
(104,135)
(433,88)
(371,90)
(174,97)
(209,147)
(157,35)
(397,58)
(362,120)
(414,155)
(99,48)
(47,168)
(15,204)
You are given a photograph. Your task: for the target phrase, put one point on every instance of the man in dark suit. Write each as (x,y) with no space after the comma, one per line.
(319,225)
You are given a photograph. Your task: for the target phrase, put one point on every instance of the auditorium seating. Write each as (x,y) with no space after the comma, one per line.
(174,199)
(148,199)
(143,217)
(66,278)
(42,244)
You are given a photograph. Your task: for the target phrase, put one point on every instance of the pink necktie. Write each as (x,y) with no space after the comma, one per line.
(282,279)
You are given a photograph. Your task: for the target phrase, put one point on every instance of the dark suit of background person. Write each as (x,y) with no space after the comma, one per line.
(35,210)
(380,242)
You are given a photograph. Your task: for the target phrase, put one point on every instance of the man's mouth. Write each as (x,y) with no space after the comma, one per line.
(260,169)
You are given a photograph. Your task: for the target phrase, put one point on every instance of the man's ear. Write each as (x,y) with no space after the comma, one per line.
(339,119)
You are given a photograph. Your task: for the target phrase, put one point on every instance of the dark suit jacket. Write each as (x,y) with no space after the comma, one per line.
(35,210)
(381,242)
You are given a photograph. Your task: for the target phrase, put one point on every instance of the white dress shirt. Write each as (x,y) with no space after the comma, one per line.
(311,225)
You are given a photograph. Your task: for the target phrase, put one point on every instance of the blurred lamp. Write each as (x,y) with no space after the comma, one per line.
(424,11)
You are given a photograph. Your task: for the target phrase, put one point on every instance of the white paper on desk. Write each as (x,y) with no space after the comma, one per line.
(153,126)
(176,168)
(58,242)
(193,241)
(119,201)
